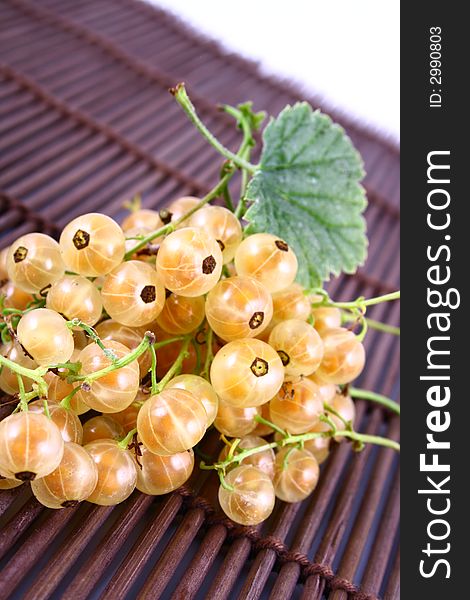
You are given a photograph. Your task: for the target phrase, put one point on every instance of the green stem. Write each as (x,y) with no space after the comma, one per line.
(5,336)
(372,324)
(144,345)
(297,440)
(46,408)
(22,393)
(353,435)
(153,370)
(94,337)
(226,168)
(31,395)
(238,457)
(245,151)
(14,311)
(379,326)
(367,439)
(233,447)
(326,419)
(197,351)
(220,188)
(260,419)
(134,237)
(31,306)
(223,483)
(72,368)
(175,367)
(360,303)
(362,334)
(374,397)
(228,199)
(334,412)
(242,205)
(127,440)
(285,462)
(181,96)
(166,229)
(225,440)
(178,338)
(209,354)
(35,374)
(383,298)
(65,402)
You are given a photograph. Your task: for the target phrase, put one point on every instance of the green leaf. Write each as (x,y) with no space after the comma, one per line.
(307,191)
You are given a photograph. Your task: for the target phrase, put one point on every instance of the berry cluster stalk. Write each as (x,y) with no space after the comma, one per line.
(234,457)
(228,170)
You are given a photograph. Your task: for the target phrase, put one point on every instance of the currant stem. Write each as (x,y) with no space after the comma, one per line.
(17,311)
(39,303)
(228,199)
(297,440)
(73,368)
(244,152)
(5,335)
(377,398)
(379,326)
(127,439)
(197,351)
(328,421)
(223,483)
(176,366)
(334,412)
(65,402)
(181,96)
(226,168)
(219,189)
(362,334)
(22,393)
(31,395)
(233,448)
(178,338)
(263,421)
(144,345)
(383,298)
(225,440)
(285,461)
(372,324)
(166,229)
(46,408)
(35,374)
(209,354)
(94,336)
(353,435)
(153,370)
(358,304)
(367,439)
(238,457)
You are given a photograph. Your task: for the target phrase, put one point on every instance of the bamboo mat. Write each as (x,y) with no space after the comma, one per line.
(86,122)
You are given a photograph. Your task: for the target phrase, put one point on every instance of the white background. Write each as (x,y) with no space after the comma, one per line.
(345,50)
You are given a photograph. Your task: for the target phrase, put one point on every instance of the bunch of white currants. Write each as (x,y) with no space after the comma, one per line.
(196,327)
